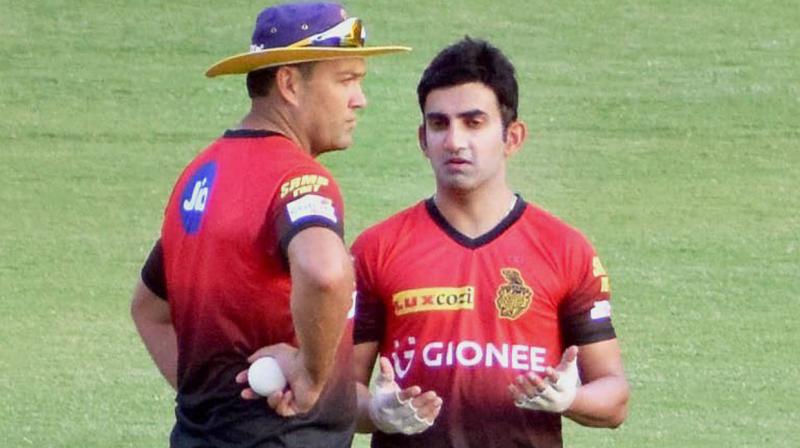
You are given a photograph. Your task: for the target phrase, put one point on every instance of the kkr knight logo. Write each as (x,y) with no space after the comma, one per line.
(514,297)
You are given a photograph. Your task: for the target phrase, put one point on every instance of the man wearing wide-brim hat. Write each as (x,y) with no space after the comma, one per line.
(251,260)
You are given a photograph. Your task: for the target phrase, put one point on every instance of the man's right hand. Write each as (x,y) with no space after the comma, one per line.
(406,411)
(301,393)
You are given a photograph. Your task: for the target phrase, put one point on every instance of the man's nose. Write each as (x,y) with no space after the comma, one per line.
(454,139)
(358,100)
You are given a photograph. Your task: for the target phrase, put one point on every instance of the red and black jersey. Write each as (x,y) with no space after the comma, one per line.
(222,266)
(465,316)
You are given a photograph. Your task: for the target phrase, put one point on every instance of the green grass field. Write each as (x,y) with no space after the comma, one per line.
(666,130)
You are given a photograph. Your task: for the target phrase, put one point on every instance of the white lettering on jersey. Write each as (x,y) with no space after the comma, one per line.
(433,360)
(519,357)
(494,355)
(438,354)
(199,196)
(311,205)
(601,310)
(408,355)
(466,347)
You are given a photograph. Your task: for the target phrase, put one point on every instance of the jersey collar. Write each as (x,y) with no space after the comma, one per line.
(250,133)
(474,243)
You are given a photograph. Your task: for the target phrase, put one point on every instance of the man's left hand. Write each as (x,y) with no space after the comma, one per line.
(553,393)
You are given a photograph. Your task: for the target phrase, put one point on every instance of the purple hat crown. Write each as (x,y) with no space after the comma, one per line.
(284,25)
(293,33)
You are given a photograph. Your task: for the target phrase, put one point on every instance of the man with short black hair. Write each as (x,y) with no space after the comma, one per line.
(251,252)
(474,294)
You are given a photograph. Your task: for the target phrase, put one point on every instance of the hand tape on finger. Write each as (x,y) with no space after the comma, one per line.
(392,415)
(549,400)
(556,397)
(568,379)
(536,403)
(550,393)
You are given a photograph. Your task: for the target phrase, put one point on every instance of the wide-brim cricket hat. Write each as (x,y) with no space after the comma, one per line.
(301,32)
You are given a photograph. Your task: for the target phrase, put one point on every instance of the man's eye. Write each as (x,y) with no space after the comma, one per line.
(437,124)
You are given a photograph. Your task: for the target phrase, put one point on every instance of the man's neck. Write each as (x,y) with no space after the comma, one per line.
(476,212)
(265,116)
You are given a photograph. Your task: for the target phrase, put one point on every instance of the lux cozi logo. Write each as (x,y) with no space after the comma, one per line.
(433,299)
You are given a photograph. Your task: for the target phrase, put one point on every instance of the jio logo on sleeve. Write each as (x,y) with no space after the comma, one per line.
(195,197)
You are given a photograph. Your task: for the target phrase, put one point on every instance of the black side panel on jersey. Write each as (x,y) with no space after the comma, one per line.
(153,271)
(369,321)
(581,329)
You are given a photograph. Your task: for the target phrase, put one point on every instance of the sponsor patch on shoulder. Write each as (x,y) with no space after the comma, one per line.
(311,205)
(300,185)
(601,310)
(196,196)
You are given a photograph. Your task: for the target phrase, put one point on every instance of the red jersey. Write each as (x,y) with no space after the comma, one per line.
(227,225)
(465,316)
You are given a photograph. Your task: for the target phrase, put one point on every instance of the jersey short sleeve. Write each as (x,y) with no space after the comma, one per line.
(153,275)
(307,197)
(585,313)
(370,316)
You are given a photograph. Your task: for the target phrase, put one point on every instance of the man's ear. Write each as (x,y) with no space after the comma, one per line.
(423,145)
(516,134)
(288,82)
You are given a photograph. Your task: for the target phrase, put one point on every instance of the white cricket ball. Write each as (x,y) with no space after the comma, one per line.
(265,376)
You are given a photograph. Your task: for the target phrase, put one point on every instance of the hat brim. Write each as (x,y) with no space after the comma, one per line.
(248,62)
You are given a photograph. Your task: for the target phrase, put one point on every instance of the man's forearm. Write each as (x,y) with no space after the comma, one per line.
(163,347)
(320,316)
(151,316)
(363,421)
(602,403)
